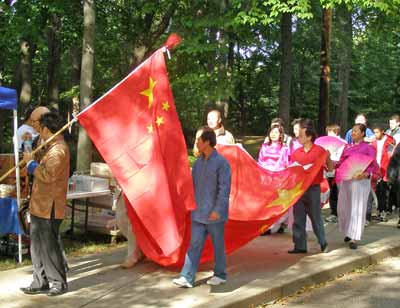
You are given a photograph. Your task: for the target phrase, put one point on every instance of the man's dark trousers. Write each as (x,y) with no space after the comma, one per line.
(46,253)
(309,204)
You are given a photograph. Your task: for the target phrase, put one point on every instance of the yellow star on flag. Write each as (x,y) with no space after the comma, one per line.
(149,92)
(165,106)
(286,196)
(150,128)
(159,121)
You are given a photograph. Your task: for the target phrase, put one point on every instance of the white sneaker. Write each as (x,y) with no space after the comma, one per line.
(182,282)
(215,281)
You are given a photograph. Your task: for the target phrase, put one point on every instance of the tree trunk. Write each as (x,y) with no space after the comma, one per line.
(345,51)
(23,75)
(325,70)
(286,69)
(85,147)
(54,45)
(76,65)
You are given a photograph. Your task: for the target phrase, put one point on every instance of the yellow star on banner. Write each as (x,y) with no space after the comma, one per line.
(149,92)
(165,106)
(159,121)
(286,196)
(150,128)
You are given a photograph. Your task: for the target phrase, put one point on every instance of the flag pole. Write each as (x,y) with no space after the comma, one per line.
(22,163)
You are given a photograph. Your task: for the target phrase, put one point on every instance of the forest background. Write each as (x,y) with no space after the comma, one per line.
(323,59)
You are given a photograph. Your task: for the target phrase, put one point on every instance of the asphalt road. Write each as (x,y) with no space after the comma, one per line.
(372,287)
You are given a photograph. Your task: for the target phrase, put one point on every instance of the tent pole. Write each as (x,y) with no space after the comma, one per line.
(17,178)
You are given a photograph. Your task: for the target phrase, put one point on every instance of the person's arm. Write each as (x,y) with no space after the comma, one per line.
(223,191)
(50,168)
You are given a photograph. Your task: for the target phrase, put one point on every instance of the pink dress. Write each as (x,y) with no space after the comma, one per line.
(274,156)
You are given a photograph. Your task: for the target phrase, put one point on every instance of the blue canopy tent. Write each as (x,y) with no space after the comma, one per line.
(8,100)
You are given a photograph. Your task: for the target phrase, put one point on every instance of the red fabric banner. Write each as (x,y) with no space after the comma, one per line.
(136,129)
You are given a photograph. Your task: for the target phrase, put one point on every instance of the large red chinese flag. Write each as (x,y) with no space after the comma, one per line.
(136,129)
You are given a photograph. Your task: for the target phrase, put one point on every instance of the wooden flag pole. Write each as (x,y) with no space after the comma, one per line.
(22,163)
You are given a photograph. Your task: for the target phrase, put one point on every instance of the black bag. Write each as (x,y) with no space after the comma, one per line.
(23,217)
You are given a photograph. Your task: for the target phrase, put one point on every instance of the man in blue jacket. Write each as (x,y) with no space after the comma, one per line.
(212,182)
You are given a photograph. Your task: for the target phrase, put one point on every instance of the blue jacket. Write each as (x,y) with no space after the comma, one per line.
(212,186)
(368,133)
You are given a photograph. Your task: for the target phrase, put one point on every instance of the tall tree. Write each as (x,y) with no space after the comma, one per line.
(325,70)
(85,146)
(53,66)
(286,68)
(345,47)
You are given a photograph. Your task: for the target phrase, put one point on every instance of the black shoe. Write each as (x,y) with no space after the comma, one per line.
(281,230)
(353,245)
(295,250)
(347,239)
(398,224)
(54,291)
(324,248)
(32,290)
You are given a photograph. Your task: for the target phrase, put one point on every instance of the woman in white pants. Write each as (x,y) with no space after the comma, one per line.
(353,194)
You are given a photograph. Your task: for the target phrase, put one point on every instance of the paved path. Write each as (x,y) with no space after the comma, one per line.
(377,286)
(259,272)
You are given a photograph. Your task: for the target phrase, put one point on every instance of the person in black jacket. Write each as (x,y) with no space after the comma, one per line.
(393,174)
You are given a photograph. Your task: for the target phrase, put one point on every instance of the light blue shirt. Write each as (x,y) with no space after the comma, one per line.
(212,186)
(368,133)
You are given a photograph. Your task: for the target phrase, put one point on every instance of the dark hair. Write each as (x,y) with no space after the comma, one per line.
(362,128)
(296,121)
(309,128)
(281,132)
(28,113)
(378,126)
(333,128)
(209,135)
(52,121)
(277,121)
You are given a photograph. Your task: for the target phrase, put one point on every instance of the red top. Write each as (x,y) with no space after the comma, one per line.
(305,158)
(387,149)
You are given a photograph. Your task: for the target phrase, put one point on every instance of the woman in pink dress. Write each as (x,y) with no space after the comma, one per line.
(273,155)
(353,194)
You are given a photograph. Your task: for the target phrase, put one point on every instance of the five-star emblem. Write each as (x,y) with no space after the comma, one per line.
(165,106)
(149,92)
(286,196)
(159,121)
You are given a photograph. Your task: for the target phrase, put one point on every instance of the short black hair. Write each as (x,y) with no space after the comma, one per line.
(209,135)
(52,121)
(309,128)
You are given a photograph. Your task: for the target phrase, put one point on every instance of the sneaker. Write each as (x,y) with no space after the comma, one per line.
(215,281)
(353,245)
(382,217)
(182,282)
(331,218)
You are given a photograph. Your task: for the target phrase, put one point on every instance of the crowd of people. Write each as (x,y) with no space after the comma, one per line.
(350,199)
